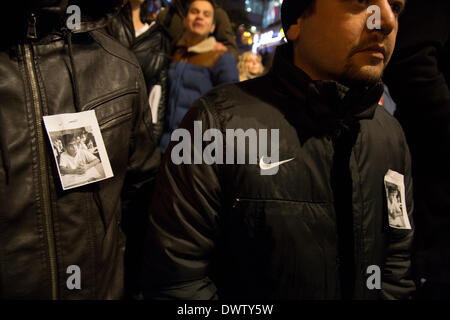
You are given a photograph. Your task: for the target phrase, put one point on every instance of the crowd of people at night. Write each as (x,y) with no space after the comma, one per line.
(145,156)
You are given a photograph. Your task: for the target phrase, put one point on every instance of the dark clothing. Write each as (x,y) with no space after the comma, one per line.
(418,78)
(191,75)
(172,19)
(43,229)
(309,232)
(153,50)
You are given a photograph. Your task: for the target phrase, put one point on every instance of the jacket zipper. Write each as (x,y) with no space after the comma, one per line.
(31,32)
(45,203)
(236,202)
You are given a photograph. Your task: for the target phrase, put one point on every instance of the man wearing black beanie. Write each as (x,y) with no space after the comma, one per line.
(329,217)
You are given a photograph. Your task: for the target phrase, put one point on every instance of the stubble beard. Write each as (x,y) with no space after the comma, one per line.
(356,76)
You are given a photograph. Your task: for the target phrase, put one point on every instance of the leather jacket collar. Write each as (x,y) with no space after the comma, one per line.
(319,107)
(48,17)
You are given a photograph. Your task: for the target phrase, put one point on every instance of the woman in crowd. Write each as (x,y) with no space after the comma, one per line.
(250,66)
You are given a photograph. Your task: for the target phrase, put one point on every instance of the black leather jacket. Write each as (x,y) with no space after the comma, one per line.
(153,51)
(43,229)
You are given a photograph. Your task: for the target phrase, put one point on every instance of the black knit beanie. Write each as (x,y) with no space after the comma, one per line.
(291,10)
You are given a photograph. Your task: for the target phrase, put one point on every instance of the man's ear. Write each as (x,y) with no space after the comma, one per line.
(213,28)
(294,31)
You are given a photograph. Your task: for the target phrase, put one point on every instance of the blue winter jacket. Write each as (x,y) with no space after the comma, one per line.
(193,72)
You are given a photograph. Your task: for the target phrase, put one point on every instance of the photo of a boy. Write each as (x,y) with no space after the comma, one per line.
(75,160)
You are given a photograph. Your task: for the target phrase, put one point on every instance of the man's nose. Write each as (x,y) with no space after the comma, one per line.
(388,18)
(200,16)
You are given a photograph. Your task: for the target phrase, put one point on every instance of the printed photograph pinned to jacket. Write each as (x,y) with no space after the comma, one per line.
(395,194)
(78,148)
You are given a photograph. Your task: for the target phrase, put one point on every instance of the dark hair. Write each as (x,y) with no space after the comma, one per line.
(145,12)
(189,2)
(67,138)
(179,7)
(291,10)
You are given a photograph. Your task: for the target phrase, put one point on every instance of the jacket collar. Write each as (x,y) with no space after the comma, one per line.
(201,47)
(320,107)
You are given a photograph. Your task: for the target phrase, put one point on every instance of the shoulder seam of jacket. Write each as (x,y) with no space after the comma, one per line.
(93,34)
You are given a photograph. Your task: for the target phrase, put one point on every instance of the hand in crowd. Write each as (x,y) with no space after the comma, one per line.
(220,47)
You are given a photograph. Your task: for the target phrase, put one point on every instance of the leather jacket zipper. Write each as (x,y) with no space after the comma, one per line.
(45,201)
(32,32)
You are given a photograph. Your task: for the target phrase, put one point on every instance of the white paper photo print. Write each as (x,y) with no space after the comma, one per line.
(78,148)
(396,200)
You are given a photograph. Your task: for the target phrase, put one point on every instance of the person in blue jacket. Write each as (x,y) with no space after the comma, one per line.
(196,67)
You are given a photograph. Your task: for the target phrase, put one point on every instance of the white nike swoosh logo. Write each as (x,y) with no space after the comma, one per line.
(268,166)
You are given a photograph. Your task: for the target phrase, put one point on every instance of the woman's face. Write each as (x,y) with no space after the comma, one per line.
(252,64)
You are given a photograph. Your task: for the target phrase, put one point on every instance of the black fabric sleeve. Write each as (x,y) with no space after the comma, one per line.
(183,224)
(398,282)
(143,163)
(416,77)
(144,156)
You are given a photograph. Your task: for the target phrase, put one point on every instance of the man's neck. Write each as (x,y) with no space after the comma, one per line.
(304,67)
(136,13)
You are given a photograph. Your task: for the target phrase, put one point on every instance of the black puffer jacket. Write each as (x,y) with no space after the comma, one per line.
(153,51)
(309,232)
(43,229)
